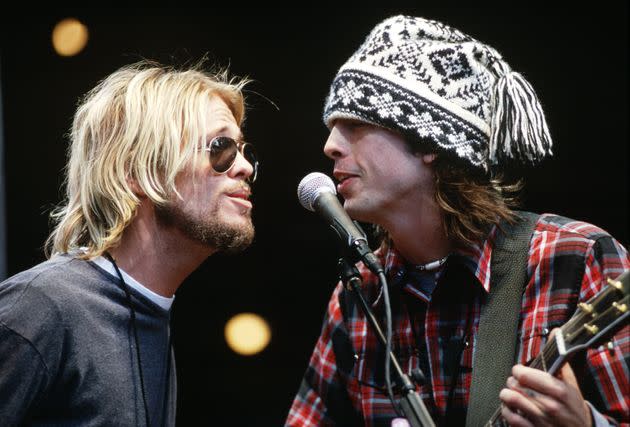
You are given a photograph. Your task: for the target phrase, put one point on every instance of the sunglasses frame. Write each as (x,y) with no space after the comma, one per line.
(241,146)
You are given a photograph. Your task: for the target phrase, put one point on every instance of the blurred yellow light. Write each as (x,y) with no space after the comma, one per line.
(247,333)
(69,37)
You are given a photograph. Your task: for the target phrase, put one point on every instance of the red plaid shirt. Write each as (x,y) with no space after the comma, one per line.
(435,326)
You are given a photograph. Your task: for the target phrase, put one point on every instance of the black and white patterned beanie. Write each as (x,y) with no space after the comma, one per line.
(439,86)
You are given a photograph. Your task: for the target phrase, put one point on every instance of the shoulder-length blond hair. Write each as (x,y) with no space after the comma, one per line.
(144,123)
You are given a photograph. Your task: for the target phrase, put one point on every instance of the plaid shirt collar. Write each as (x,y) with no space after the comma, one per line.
(476,258)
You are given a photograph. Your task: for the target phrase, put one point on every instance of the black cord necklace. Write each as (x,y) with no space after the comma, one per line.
(132,313)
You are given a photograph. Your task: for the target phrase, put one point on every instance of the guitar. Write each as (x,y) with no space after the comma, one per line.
(593,322)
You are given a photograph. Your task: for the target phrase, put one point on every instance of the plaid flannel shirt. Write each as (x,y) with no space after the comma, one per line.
(435,327)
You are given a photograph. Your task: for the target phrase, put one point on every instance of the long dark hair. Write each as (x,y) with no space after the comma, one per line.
(471,201)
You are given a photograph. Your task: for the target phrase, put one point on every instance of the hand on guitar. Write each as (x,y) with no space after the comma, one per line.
(536,398)
(547,392)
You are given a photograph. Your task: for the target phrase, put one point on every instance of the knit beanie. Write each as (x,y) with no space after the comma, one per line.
(442,88)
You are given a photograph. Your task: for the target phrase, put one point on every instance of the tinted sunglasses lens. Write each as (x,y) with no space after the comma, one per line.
(223,151)
(250,155)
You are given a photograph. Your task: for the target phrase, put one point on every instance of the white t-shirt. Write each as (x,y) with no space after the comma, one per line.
(106,265)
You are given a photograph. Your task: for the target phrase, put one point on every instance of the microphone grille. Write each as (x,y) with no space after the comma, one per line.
(311,186)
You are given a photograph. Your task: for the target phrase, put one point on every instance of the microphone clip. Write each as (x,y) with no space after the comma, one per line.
(358,249)
(348,273)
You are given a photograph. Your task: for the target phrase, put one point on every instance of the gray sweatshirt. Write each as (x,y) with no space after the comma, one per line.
(68,354)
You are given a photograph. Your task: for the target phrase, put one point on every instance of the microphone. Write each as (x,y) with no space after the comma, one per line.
(317,193)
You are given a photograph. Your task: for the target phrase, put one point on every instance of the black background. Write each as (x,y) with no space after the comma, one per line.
(577,59)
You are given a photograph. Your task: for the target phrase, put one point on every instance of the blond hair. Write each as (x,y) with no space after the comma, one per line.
(143,123)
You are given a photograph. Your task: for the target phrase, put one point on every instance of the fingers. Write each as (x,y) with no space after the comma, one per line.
(399,422)
(513,417)
(541,399)
(540,381)
(523,402)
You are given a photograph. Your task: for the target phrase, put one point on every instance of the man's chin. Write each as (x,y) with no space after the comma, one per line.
(235,240)
(223,233)
(355,212)
(232,234)
(241,223)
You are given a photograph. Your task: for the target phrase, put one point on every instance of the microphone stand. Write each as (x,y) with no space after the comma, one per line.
(412,405)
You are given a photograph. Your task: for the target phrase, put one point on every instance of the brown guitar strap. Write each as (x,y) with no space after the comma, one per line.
(495,348)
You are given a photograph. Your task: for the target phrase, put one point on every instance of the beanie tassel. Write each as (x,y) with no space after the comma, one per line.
(519,129)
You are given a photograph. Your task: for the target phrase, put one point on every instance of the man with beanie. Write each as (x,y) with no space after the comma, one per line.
(422,118)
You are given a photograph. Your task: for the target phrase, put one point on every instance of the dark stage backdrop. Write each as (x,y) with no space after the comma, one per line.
(577,59)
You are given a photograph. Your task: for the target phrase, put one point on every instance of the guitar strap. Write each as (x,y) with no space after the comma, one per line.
(495,348)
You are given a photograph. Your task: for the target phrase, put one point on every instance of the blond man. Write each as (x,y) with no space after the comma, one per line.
(158,179)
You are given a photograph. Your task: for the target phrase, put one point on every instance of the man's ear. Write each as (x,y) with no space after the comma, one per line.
(429,158)
(136,188)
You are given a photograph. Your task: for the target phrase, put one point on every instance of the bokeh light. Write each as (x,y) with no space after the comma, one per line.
(247,333)
(69,37)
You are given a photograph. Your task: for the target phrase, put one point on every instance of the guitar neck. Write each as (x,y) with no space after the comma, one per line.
(594,322)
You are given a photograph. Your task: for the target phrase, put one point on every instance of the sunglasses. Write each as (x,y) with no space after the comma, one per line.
(223,151)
